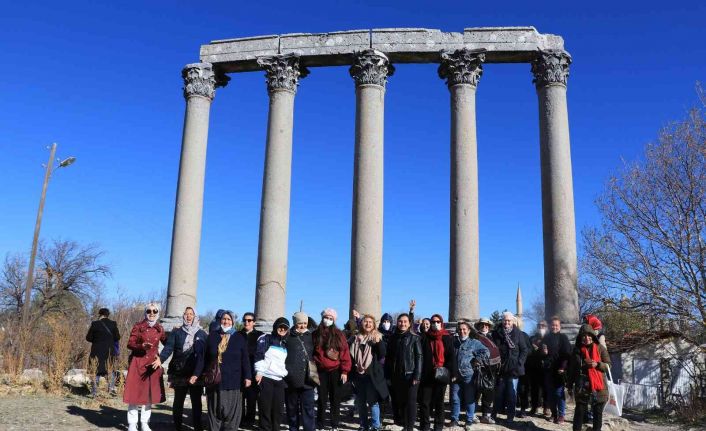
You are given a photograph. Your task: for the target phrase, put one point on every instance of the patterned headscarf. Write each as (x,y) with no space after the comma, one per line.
(190,330)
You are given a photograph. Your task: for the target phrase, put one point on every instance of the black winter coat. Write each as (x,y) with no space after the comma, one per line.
(375,371)
(300,350)
(557,358)
(403,359)
(103,334)
(175,346)
(428,355)
(512,358)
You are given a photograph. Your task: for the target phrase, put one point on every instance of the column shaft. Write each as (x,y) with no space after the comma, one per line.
(283,73)
(464,260)
(560,266)
(370,72)
(274,214)
(186,237)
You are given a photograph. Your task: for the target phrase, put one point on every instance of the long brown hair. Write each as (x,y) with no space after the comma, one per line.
(328,337)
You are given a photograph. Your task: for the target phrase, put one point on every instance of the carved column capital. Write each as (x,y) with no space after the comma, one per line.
(463,66)
(371,67)
(282,72)
(201,80)
(551,67)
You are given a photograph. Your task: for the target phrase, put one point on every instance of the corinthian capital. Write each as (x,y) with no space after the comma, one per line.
(463,66)
(201,80)
(282,72)
(551,67)
(371,67)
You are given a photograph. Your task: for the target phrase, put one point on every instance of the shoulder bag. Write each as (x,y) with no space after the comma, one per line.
(311,371)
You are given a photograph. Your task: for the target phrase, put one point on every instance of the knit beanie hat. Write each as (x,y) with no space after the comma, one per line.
(281,321)
(300,317)
(330,312)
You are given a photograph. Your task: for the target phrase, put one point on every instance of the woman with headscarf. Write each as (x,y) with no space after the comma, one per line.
(588,365)
(271,369)
(368,349)
(333,361)
(186,345)
(438,370)
(143,384)
(228,350)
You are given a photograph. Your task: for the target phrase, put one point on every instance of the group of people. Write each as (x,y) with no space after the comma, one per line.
(304,370)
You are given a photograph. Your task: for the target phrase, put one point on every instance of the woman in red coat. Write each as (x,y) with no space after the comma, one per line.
(144,385)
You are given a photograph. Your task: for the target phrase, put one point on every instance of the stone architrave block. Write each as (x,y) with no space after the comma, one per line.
(510,39)
(316,44)
(411,44)
(239,50)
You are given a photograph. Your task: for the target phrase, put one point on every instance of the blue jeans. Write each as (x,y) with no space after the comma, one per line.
(557,400)
(455,402)
(463,393)
(363,400)
(506,396)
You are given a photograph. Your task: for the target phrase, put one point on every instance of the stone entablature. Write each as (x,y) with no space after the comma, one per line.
(400,45)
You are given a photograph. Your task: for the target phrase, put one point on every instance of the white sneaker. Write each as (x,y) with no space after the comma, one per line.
(132,427)
(145,427)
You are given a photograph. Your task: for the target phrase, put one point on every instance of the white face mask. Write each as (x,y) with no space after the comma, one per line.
(542,331)
(437,326)
(327,322)
(226,328)
(386,325)
(464,337)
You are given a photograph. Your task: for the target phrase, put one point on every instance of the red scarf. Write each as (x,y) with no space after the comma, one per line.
(437,346)
(595,377)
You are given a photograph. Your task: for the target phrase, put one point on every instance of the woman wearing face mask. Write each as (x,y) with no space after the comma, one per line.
(187,344)
(488,371)
(224,400)
(143,384)
(470,353)
(271,369)
(367,350)
(333,361)
(385,328)
(437,352)
(587,375)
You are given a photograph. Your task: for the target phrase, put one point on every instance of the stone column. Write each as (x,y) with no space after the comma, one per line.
(283,73)
(370,70)
(200,82)
(462,71)
(551,71)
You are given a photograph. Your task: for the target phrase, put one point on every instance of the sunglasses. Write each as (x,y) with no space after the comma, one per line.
(248,320)
(152,311)
(436,321)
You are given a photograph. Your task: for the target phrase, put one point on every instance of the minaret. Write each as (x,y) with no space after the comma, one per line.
(518,303)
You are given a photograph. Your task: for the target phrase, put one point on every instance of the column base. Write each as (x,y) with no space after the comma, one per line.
(266,325)
(571,330)
(169,323)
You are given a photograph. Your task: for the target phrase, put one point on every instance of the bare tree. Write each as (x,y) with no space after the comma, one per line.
(12,284)
(649,252)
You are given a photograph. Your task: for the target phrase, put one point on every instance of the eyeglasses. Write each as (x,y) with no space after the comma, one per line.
(152,311)
(248,320)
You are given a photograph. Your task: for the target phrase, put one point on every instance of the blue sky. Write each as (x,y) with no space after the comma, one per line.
(103,80)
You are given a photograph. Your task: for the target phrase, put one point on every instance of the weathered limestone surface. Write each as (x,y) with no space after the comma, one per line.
(551,72)
(199,89)
(400,45)
(370,72)
(462,70)
(283,74)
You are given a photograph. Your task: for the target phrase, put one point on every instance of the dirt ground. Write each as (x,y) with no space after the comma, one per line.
(32,410)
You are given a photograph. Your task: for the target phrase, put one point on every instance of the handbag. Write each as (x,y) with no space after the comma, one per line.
(442,375)
(182,364)
(616,397)
(333,354)
(311,371)
(212,375)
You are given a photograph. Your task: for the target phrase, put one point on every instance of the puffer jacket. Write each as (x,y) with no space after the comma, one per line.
(403,358)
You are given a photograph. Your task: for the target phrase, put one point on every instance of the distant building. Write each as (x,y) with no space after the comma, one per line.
(657,367)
